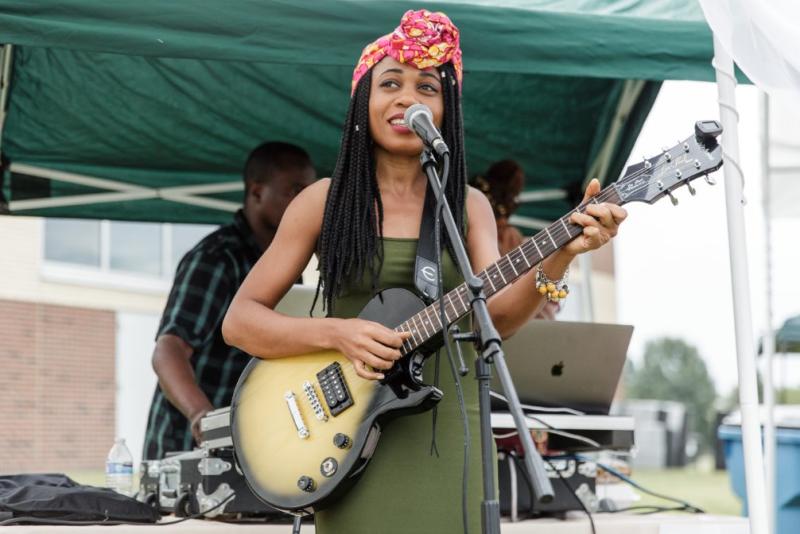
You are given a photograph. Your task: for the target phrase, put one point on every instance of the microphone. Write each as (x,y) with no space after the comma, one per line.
(420,119)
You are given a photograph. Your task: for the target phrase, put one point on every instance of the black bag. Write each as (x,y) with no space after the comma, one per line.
(57,498)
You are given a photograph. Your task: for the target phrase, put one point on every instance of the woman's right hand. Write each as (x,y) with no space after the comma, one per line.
(368,345)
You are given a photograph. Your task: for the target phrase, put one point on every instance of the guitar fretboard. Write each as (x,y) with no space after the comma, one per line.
(427,323)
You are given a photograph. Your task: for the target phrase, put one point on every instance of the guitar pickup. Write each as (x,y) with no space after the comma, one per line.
(334,388)
(313,399)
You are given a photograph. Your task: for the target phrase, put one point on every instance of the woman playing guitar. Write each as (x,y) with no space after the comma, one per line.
(363,223)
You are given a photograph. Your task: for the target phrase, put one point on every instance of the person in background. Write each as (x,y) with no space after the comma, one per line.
(197,371)
(502,185)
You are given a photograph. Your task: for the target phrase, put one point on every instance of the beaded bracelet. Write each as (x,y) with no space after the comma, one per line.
(552,290)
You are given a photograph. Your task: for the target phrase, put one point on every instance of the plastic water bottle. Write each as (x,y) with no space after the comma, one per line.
(119,468)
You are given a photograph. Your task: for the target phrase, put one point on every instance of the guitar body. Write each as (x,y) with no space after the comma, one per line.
(304,427)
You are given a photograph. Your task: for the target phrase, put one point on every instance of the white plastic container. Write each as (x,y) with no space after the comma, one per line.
(119,468)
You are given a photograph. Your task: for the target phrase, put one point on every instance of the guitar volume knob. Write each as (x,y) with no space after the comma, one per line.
(306,484)
(342,441)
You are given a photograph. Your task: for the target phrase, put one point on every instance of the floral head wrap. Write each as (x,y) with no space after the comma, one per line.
(423,39)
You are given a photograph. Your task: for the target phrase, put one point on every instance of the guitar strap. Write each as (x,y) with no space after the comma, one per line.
(426,279)
(426,272)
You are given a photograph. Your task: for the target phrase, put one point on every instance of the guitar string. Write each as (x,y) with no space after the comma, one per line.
(504,266)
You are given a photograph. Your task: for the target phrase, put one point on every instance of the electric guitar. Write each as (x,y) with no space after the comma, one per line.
(305,427)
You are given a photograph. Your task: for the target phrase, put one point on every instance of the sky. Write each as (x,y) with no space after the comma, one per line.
(672,262)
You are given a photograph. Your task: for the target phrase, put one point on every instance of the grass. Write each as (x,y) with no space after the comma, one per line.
(709,490)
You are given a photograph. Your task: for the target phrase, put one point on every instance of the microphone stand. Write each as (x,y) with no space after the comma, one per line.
(488,343)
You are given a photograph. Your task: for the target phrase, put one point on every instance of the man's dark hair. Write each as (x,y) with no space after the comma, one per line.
(272,156)
(349,243)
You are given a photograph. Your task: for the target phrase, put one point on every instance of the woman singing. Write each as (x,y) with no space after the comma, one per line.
(363,223)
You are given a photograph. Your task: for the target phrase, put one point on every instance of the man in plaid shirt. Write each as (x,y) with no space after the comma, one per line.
(197,371)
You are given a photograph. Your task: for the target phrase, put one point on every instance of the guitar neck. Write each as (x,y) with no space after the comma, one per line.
(426,323)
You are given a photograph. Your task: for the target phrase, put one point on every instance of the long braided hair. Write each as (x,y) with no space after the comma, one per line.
(352,227)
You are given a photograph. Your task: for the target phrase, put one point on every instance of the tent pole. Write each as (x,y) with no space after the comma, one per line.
(737,245)
(5,82)
(541,195)
(74,178)
(529,222)
(121,191)
(769,334)
(80,200)
(631,89)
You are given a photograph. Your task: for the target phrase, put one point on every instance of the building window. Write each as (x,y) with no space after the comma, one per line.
(73,241)
(135,248)
(128,255)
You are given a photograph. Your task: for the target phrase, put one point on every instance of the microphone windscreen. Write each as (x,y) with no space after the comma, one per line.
(414,110)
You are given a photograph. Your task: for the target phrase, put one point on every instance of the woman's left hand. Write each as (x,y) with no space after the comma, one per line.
(600,223)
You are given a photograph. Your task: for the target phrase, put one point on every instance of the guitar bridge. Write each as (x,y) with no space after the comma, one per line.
(334,389)
(297,418)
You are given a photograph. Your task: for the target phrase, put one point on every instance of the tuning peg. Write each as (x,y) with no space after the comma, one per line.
(691,189)
(710,180)
(672,198)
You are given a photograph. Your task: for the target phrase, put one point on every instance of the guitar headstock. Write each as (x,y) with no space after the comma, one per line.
(658,176)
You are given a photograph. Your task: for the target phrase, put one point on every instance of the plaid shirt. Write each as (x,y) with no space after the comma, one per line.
(205,282)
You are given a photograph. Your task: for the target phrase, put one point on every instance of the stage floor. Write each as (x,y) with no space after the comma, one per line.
(574,524)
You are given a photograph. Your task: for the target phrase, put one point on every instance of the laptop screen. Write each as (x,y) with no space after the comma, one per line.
(566,364)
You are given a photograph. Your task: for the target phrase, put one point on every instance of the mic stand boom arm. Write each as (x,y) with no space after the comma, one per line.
(488,342)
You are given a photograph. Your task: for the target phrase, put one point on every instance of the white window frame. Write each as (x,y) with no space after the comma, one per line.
(104,277)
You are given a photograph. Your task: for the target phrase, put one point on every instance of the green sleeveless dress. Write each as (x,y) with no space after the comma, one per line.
(405,489)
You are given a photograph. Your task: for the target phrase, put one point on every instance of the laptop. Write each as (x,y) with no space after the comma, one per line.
(566,364)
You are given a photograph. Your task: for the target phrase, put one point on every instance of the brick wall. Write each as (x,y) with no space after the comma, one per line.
(57,387)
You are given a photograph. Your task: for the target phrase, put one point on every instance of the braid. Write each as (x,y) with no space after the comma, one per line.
(349,243)
(453,133)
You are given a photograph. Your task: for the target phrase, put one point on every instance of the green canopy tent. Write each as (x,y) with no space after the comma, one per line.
(146,110)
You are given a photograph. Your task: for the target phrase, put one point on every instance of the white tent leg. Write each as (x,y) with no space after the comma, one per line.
(769,334)
(737,244)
